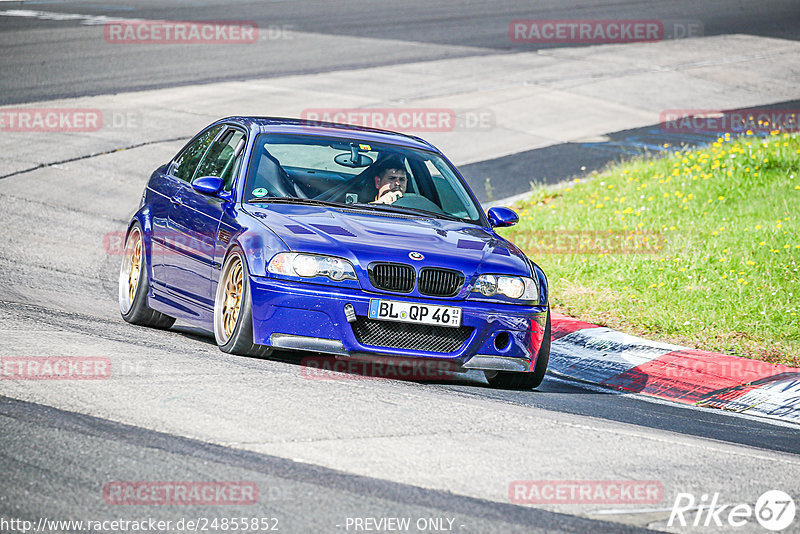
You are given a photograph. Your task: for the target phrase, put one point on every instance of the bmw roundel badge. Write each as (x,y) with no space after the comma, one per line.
(416,256)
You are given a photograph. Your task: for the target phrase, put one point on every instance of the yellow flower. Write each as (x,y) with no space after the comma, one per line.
(750,262)
(720,198)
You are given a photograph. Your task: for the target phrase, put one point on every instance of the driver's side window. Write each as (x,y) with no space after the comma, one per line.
(186,163)
(223,157)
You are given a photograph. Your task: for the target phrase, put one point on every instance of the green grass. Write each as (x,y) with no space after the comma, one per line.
(698,248)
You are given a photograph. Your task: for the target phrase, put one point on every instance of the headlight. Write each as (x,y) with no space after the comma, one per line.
(514,287)
(311,265)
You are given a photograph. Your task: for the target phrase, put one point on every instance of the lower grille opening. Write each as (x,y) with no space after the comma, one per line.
(409,336)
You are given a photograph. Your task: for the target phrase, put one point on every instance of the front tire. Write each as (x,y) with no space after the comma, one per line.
(134,285)
(233,309)
(532,380)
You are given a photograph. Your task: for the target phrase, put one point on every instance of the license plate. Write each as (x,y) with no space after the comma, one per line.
(412,312)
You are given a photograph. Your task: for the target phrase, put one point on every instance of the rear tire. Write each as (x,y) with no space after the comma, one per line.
(233,309)
(532,380)
(134,285)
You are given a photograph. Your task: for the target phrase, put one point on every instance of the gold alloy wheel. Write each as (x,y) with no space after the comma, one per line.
(130,270)
(232,299)
(135,268)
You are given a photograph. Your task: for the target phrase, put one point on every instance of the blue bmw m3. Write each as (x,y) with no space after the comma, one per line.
(364,244)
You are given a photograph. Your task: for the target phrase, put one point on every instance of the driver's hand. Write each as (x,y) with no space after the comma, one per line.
(388,198)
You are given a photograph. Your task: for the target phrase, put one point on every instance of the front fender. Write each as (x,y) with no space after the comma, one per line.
(258,243)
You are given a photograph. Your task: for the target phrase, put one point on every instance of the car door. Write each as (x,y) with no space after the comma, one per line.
(195,221)
(166,186)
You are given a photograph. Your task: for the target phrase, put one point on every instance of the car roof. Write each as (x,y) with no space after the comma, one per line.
(283,125)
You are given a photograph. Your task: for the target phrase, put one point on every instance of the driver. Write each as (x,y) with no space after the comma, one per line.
(390,180)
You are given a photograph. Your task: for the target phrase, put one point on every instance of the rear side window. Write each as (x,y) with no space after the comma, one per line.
(186,163)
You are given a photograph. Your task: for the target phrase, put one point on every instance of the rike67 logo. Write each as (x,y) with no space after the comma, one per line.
(774,510)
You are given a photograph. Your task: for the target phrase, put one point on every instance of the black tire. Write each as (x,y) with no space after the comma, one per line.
(532,380)
(240,340)
(133,300)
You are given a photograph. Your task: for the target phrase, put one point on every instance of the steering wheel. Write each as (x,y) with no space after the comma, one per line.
(413,200)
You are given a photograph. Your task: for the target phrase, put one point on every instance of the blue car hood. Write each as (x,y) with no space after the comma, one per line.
(365,236)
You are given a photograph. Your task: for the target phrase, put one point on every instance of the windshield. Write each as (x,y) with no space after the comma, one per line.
(350,172)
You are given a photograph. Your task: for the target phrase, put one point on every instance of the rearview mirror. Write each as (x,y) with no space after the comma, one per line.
(502,217)
(208,185)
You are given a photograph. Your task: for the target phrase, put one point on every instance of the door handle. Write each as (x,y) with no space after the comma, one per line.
(176,201)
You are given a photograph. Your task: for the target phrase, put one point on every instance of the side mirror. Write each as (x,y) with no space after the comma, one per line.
(208,185)
(502,217)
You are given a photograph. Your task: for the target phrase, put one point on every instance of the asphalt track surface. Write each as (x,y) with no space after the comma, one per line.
(302,497)
(181,411)
(55,59)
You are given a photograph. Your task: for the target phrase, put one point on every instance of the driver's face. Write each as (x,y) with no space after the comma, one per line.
(391,180)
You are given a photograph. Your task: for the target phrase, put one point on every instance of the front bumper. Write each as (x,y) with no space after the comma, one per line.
(304,316)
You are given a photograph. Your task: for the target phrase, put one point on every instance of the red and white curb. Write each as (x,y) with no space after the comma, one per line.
(602,356)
